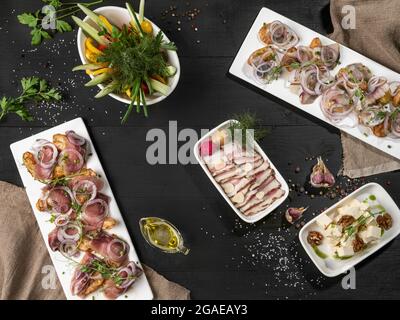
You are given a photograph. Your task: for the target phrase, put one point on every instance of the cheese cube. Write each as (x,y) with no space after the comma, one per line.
(353,208)
(334,231)
(370,234)
(345,251)
(323,220)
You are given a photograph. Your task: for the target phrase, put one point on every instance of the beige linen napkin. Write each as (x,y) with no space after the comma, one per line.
(377,36)
(23,254)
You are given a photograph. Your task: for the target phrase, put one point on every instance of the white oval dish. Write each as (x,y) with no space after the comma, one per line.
(334,267)
(119,16)
(258,216)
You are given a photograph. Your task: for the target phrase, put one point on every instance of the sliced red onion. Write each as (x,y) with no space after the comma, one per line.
(129,273)
(282,36)
(264,65)
(71,165)
(304,54)
(376,82)
(55,207)
(336,104)
(117,250)
(74,138)
(372,116)
(42,148)
(71,231)
(68,248)
(394,87)
(84,187)
(330,55)
(91,217)
(395,124)
(61,220)
(315,80)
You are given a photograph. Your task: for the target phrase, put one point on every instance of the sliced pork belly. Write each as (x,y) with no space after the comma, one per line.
(271,197)
(128,276)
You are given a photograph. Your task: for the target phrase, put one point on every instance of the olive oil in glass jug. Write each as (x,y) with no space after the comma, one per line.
(163,235)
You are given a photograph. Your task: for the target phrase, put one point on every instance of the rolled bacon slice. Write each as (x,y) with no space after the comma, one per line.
(114,250)
(94,212)
(57,200)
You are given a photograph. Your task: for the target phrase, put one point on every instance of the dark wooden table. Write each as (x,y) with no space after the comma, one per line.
(228,259)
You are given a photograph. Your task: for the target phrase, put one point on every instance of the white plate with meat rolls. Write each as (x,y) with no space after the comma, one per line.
(241,172)
(317,75)
(77,214)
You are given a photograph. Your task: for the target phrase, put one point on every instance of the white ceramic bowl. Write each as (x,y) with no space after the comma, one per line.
(119,16)
(331,267)
(260,215)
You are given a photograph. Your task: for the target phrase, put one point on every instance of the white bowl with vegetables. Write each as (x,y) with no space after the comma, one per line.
(108,44)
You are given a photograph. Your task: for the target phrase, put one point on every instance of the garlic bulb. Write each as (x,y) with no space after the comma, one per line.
(320,176)
(293,214)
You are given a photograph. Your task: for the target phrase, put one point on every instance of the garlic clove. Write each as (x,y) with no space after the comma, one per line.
(320,176)
(294,214)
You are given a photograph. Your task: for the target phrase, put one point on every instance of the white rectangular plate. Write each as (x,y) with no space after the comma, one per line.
(332,267)
(257,148)
(140,290)
(279,88)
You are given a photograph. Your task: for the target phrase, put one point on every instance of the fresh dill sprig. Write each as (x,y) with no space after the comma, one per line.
(248,121)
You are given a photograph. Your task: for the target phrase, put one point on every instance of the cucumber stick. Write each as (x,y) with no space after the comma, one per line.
(132,13)
(171,70)
(141,11)
(88,66)
(92,32)
(93,16)
(98,79)
(107,89)
(159,86)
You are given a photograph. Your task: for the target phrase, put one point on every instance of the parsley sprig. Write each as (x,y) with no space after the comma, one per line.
(34,20)
(33,90)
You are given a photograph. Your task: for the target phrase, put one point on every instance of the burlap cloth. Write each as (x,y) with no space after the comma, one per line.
(23,255)
(376,36)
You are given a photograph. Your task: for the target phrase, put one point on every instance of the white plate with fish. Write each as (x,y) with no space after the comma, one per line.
(375,122)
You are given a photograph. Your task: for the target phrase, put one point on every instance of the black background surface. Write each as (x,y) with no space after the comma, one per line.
(229,259)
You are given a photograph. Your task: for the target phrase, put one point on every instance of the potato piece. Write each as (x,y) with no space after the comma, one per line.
(94,286)
(315,43)
(29,162)
(40,205)
(264,35)
(379,130)
(60,141)
(396,99)
(84,245)
(109,223)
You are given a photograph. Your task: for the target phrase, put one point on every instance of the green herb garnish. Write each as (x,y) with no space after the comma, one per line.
(248,121)
(33,90)
(36,20)
(135,58)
